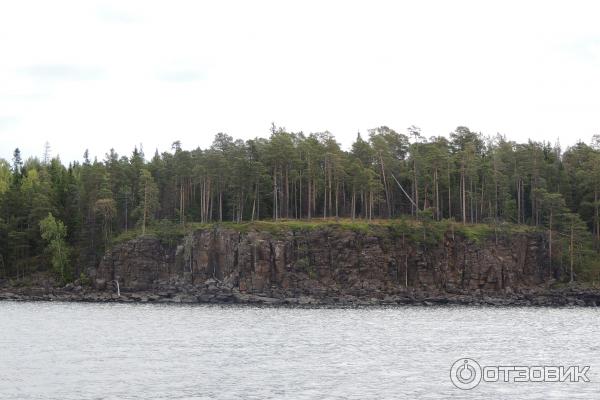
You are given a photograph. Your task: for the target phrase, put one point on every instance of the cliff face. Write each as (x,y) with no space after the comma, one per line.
(328,263)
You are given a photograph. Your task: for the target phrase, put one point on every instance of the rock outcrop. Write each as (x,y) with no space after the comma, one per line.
(325,263)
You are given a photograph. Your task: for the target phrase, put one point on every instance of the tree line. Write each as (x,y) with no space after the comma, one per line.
(466,177)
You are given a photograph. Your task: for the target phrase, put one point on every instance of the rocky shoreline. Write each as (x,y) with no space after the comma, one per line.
(331,267)
(215,293)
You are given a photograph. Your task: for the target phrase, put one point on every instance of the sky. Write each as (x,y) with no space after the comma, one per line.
(113,74)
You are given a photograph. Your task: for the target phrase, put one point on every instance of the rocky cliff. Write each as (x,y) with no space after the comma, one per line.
(336,264)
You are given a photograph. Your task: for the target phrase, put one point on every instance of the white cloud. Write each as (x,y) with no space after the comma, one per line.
(113,74)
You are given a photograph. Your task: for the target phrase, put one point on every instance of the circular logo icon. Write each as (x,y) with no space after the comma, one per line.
(465,373)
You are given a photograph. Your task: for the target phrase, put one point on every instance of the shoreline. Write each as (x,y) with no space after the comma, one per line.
(536,297)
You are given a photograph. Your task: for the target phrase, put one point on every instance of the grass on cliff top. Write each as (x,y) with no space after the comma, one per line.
(421,231)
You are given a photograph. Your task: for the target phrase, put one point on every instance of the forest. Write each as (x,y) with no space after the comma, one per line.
(61,218)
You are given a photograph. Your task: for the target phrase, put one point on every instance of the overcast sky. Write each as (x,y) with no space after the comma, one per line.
(85,74)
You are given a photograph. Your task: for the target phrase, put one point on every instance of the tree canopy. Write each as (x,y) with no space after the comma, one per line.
(463,176)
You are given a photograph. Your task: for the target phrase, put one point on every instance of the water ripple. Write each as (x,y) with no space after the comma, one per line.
(119,351)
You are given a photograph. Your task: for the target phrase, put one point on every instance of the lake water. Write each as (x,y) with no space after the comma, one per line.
(119,351)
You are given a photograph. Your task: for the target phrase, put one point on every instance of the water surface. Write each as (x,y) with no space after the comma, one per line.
(123,351)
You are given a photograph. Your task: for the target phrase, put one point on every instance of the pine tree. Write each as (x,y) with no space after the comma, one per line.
(148,199)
